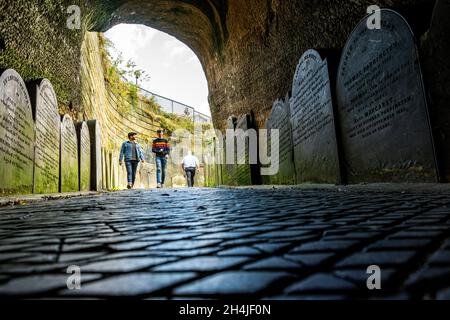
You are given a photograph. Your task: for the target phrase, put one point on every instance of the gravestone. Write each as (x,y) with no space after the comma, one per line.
(230,166)
(280,119)
(46,156)
(382,109)
(17,135)
(69,156)
(243,169)
(96,154)
(313,127)
(84,156)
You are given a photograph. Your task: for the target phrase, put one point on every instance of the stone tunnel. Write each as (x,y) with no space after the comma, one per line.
(294,242)
(248,49)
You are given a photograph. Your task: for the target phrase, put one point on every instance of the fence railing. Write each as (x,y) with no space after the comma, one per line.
(171,106)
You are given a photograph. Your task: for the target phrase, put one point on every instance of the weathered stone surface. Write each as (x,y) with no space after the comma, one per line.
(243,167)
(147,243)
(321,282)
(17,135)
(84,156)
(230,158)
(96,155)
(232,282)
(436,70)
(69,156)
(47,120)
(132,284)
(202,264)
(249,49)
(382,108)
(313,124)
(280,119)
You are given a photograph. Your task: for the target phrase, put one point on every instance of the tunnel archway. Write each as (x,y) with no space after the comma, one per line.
(249,49)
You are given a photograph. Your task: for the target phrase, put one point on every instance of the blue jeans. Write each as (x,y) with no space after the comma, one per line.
(161,164)
(131,171)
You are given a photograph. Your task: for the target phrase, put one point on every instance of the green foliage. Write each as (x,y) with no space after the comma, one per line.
(128,93)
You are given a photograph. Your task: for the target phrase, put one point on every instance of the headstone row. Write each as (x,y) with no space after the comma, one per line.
(39,153)
(371,126)
(240,153)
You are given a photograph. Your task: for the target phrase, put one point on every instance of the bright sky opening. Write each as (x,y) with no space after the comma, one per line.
(175,70)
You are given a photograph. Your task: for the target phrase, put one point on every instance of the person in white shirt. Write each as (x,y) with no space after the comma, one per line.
(190,165)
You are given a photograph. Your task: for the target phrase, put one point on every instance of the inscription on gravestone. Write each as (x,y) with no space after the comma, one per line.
(280,119)
(314,134)
(69,156)
(84,156)
(383,114)
(46,159)
(16,135)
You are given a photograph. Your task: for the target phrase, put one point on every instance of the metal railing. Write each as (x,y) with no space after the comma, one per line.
(175,107)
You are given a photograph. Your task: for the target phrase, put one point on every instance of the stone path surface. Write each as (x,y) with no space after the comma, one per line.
(219,243)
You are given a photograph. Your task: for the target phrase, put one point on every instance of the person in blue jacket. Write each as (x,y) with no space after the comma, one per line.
(132,153)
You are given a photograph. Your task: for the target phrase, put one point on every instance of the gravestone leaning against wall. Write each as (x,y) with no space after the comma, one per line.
(230,159)
(313,125)
(382,109)
(69,156)
(280,119)
(96,154)
(16,135)
(84,156)
(47,123)
(243,168)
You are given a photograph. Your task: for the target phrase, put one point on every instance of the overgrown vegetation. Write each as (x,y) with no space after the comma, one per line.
(128,94)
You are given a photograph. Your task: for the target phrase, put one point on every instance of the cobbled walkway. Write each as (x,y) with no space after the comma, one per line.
(221,243)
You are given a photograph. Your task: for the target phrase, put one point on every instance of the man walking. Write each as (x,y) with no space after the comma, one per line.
(190,165)
(161,149)
(132,153)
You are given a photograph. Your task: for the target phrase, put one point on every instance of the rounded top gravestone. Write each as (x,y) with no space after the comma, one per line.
(16,135)
(69,156)
(243,171)
(46,166)
(313,127)
(84,147)
(280,120)
(230,152)
(383,115)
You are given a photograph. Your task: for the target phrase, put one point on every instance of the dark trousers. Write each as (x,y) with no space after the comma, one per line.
(131,171)
(190,175)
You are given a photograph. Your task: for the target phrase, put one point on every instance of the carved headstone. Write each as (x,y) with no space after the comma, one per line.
(230,159)
(69,156)
(16,135)
(243,170)
(96,154)
(84,156)
(382,109)
(314,132)
(280,119)
(48,123)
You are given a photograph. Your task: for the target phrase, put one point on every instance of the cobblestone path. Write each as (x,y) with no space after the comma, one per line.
(221,243)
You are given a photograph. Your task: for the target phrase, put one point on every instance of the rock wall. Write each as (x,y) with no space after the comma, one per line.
(99,102)
(249,49)
(117,117)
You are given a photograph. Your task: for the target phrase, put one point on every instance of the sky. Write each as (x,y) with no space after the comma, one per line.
(175,70)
